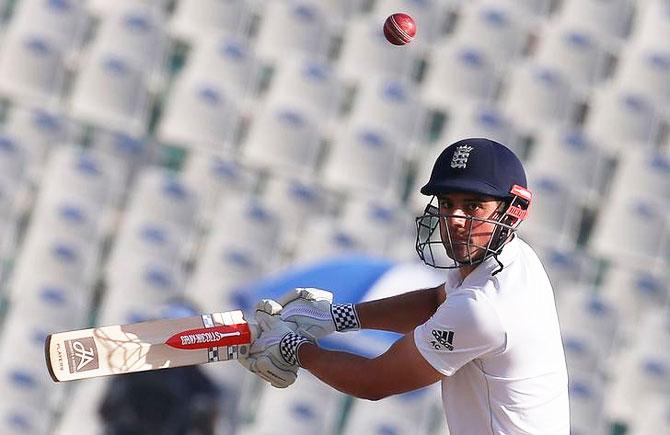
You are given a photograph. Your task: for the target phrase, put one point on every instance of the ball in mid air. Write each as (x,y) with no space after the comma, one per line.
(399,28)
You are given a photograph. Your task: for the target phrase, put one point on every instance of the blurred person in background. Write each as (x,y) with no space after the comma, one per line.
(179,401)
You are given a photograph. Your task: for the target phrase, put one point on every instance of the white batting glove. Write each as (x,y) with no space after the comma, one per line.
(273,355)
(314,313)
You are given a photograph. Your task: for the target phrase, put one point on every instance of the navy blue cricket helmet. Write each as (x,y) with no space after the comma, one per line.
(480,166)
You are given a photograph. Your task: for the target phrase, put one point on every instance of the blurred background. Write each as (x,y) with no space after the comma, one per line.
(159,158)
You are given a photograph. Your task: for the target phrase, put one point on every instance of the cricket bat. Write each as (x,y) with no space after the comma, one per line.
(150,345)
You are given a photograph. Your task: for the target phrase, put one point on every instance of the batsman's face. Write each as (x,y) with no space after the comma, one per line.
(464,229)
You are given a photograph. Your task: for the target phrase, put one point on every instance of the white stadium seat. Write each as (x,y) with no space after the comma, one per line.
(282,139)
(478,120)
(215,179)
(366,53)
(632,231)
(567,153)
(652,25)
(611,20)
(111,92)
(575,52)
(618,119)
(556,211)
(200,114)
(363,160)
(641,173)
(325,238)
(80,174)
(459,72)
(586,392)
(295,201)
(392,105)
(135,32)
(40,130)
(310,83)
(308,407)
(647,72)
(63,21)
(228,61)
(293,26)
(635,292)
(538,96)
(162,196)
(194,19)
(402,414)
(496,28)
(32,69)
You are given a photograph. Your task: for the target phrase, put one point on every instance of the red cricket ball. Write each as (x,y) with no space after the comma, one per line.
(399,28)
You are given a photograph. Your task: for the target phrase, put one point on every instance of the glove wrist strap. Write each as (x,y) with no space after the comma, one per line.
(345,317)
(288,346)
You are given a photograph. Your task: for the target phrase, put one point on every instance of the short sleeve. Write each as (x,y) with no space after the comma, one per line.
(466,326)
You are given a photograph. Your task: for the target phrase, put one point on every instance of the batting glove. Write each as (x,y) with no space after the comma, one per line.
(273,355)
(314,313)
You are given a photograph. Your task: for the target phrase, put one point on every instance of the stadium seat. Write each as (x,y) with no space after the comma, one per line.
(133,292)
(567,267)
(586,392)
(376,223)
(646,72)
(611,20)
(363,160)
(40,130)
(32,69)
(497,29)
(641,173)
(282,139)
(652,25)
(480,120)
(310,83)
(248,224)
(215,178)
(195,19)
(162,196)
(81,175)
(635,292)
(136,33)
(81,414)
(619,119)
(589,325)
(63,21)
(557,211)
(458,73)
(537,96)
(228,61)
(142,239)
(200,114)
(575,52)
(293,26)
(366,53)
(653,416)
(112,93)
(102,8)
(296,201)
(306,408)
(13,160)
(392,105)
(631,231)
(568,154)
(325,238)
(403,414)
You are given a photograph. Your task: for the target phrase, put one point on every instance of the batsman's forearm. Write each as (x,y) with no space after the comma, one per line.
(401,313)
(343,371)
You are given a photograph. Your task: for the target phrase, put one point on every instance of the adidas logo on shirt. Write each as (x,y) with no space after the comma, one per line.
(443,339)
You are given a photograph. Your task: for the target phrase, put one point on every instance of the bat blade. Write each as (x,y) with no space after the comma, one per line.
(151,345)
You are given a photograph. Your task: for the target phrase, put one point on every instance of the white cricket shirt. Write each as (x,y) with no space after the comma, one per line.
(497,341)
